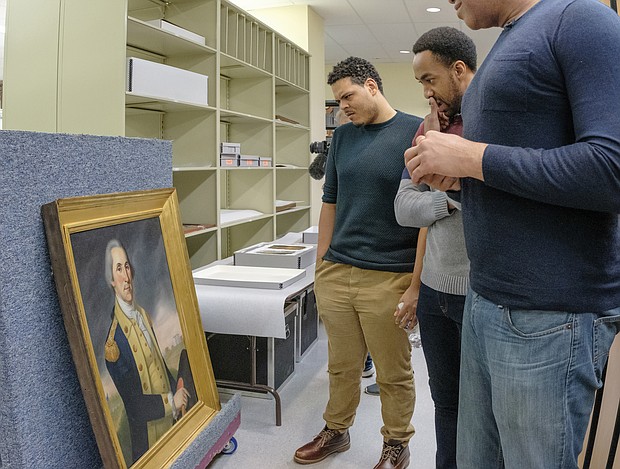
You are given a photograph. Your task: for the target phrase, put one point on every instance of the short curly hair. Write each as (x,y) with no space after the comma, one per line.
(449,45)
(357,69)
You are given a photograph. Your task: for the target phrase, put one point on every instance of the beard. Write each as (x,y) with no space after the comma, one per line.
(453,99)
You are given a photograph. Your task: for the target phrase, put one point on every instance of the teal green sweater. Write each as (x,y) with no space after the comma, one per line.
(362,176)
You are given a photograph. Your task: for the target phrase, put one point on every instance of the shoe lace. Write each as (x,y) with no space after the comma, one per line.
(327,434)
(391,452)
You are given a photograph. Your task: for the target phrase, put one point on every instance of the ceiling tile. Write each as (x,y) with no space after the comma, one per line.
(333,11)
(425,27)
(350,34)
(370,52)
(383,11)
(403,33)
(377,29)
(417,10)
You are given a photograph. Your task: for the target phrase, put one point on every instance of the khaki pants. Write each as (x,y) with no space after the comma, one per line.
(357,308)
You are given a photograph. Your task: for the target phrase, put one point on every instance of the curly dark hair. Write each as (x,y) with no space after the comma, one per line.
(357,69)
(449,45)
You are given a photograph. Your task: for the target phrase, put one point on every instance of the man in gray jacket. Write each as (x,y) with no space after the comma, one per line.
(444,63)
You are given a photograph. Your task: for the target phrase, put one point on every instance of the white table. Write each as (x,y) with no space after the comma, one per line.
(254,312)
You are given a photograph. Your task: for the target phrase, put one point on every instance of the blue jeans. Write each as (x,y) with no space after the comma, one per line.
(440,316)
(528,380)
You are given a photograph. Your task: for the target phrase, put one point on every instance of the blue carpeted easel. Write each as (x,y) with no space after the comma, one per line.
(43,419)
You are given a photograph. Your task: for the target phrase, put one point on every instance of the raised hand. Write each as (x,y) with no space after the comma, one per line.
(435,120)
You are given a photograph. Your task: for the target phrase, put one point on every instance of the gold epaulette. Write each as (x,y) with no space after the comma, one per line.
(112,353)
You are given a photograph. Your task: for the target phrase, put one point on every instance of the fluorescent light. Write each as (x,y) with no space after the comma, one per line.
(404,52)
(433,10)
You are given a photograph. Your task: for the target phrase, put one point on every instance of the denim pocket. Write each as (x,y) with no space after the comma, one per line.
(537,323)
(606,327)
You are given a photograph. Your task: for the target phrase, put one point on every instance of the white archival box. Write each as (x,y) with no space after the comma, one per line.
(151,79)
(178,31)
(243,276)
(274,254)
(230,148)
(311,235)
(248,160)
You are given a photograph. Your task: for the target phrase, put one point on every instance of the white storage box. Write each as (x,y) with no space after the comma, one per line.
(151,79)
(248,160)
(311,235)
(291,256)
(265,161)
(250,277)
(229,160)
(178,31)
(228,148)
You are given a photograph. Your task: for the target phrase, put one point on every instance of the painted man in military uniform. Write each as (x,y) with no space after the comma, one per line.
(135,363)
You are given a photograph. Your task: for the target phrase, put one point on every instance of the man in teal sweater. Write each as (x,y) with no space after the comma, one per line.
(539,164)
(364,265)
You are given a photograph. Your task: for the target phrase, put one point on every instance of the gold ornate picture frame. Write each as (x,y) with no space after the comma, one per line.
(129,306)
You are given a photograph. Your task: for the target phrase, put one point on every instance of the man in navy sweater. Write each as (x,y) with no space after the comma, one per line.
(539,170)
(364,264)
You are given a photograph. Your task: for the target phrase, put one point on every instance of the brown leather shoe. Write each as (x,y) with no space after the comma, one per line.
(395,455)
(325,443)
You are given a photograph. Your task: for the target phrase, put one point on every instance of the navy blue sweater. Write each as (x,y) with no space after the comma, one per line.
(362,175)
(542,231)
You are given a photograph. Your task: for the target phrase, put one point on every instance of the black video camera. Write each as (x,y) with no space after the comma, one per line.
(319,147)
(317,167)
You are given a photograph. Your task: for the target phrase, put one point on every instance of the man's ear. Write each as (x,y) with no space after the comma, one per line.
(459,68)
(372,86)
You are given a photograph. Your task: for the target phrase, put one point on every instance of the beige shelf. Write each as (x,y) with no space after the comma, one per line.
(248,219)
(193,168)
(153,103)
(246,168)
(281,123)
(152,39)
(240,117)
(254,74)
(235,68)
(201,232)
(298,208)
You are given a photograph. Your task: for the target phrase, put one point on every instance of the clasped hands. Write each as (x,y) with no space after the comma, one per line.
(439,159)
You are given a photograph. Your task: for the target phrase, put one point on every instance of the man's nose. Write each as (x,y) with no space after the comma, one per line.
(428,93)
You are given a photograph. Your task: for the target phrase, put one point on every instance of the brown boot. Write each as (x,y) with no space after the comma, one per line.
(395,455)
(325,443)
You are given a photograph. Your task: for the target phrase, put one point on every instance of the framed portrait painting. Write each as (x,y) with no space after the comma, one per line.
(129,306)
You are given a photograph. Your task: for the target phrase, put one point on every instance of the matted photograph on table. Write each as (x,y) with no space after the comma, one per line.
(129,305)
